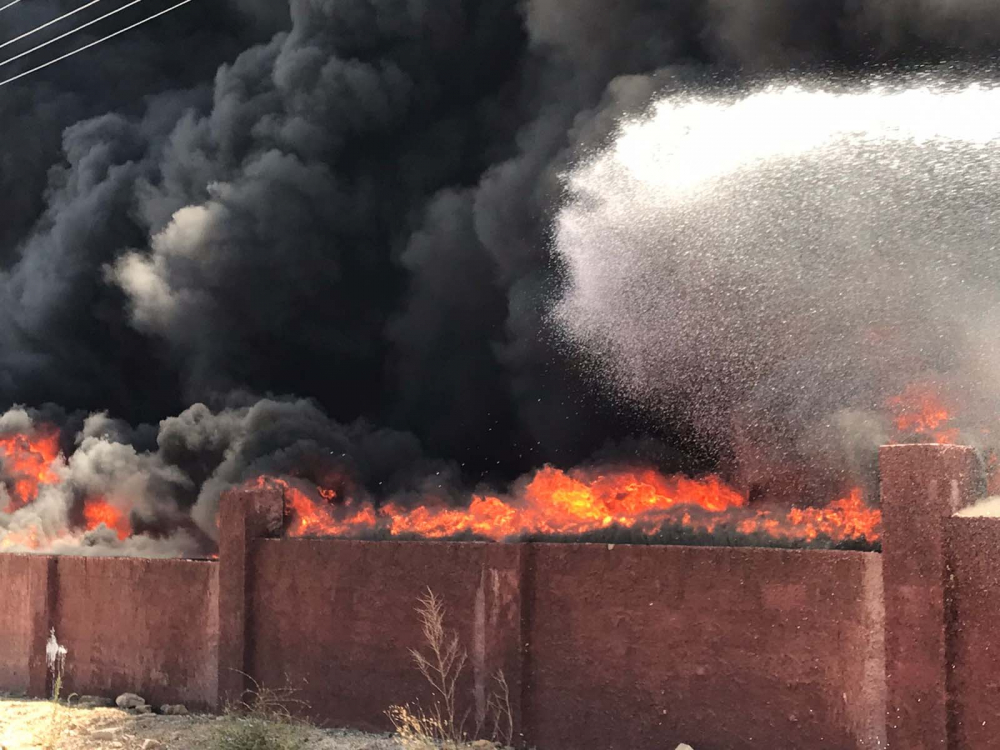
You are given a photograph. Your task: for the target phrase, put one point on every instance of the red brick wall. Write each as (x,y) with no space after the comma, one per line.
(23,621)
(619,648)
(974,632)
(148,626)
(337,619)
(922,486)
(721,648)
(623,647)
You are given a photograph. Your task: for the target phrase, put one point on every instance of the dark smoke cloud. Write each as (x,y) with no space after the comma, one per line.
(161,478)
(351,200)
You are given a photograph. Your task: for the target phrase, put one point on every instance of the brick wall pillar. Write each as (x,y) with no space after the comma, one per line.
(498,641)
(921,485)
(42,589)
(244,515)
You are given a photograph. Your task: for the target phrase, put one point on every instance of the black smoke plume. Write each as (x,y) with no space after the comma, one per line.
(350,201)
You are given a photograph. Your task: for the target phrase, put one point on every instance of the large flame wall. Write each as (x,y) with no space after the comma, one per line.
(602,646)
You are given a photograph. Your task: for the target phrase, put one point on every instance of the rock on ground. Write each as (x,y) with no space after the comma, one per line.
(94,701)
(129,701)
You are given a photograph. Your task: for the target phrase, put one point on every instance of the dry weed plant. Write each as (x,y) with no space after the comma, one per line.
(441,664)
(498,709)
(55,661)
(262,720)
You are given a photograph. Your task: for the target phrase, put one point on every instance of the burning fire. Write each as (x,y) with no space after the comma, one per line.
(846,518)
(551,502)
(27,539)
(97,510)
(920,412)
(570,503)
(30,463)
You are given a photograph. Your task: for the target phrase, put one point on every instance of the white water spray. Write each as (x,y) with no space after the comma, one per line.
(770,269)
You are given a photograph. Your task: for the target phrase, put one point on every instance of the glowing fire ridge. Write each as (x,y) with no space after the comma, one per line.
(559,503)
(920,412)
(550,503)
(556,502)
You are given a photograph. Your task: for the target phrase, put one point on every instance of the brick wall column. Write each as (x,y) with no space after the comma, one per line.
(244,515)
(42,587)
(921,485)
(497,646)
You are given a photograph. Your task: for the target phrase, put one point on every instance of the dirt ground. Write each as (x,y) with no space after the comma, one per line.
(40,725)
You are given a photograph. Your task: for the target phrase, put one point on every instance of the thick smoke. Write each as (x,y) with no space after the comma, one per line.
(167,481)
(351,201)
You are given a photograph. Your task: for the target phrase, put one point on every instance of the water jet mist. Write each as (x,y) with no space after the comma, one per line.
(776,268)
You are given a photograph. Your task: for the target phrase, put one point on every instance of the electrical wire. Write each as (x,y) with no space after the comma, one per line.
(18,56)
(94,43)
(9,5)
(48,23)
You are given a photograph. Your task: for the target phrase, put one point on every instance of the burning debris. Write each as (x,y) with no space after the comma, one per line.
(920,412)
(582,505)
(29,463)
(101,495)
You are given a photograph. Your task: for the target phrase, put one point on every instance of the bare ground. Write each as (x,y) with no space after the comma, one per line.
(41,725)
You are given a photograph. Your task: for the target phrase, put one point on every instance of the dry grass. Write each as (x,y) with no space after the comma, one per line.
(441,663)
(498,709)
(57,724)
(262,720)
(24,726)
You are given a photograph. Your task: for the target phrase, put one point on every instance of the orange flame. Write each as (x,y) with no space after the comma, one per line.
(557,502)
(97,510)
(27,538)
(846,518)
(920,412)
(30,463)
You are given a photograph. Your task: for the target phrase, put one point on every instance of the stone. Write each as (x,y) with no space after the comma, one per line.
(129,701)
(174,710)
(145,708)
(152,745)
(682,746)
(102,735)
(95,701)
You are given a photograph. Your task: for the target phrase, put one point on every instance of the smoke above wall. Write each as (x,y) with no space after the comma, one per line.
(318,236)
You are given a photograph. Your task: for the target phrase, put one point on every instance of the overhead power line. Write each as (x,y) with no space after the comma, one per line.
(45,25)
(94,43)
(18,56)
(9,5)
